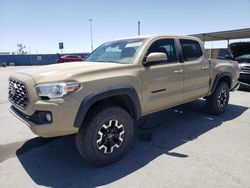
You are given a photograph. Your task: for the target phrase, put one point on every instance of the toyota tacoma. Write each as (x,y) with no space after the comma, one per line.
(121,81)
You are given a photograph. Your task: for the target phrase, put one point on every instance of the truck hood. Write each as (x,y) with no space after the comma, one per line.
(67,71)
(239,48)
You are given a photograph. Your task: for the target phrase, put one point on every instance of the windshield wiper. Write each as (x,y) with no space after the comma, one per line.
(108,61)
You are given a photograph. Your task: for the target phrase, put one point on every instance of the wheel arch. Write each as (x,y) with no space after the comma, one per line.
(225,76)
(123,96)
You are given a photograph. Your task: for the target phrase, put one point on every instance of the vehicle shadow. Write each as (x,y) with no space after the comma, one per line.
(57,163)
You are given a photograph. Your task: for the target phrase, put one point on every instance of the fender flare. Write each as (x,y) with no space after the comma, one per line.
(218,77)
(99,95)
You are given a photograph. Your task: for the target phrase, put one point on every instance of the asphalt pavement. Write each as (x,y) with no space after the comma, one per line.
(180,147)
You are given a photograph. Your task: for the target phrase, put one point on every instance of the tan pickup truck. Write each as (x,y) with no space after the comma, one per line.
(118,83)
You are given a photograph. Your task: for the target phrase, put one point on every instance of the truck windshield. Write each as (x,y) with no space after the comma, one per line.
(122,51)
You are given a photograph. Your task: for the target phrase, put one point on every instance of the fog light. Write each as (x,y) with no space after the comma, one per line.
(48,117)
(41,117)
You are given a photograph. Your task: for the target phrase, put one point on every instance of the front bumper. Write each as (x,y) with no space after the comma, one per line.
(63,117)
(244,77)
(63,111)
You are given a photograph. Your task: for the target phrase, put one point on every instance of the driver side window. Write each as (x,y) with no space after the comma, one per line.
(166,46)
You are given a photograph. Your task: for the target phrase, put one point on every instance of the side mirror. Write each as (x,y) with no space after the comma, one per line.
(155,58)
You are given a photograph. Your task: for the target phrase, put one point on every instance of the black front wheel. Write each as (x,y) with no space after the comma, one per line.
(106,135)
(217,102)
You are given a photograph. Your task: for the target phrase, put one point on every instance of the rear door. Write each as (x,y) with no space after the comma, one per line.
(196,70)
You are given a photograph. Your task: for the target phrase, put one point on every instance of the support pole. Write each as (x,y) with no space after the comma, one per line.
(139,28)
(91,34)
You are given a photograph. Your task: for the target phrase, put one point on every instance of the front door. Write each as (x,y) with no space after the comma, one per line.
(162,84)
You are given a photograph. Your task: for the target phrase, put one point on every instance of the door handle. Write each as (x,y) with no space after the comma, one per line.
(204,67)
(178,71)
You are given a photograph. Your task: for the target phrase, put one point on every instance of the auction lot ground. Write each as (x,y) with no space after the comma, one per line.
(179,147)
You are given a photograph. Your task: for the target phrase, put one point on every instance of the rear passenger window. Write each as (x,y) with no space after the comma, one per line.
(166,46)
(191,49)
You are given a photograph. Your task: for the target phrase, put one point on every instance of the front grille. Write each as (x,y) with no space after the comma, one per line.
(18,93)
(245,67)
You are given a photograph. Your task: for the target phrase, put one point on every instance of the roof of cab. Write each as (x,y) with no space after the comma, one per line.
(153,36)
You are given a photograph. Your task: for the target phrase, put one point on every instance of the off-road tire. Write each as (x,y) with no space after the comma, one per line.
(88,135)
(217,102)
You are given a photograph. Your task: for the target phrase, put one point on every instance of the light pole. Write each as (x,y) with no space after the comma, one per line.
(139,27)
(91,35)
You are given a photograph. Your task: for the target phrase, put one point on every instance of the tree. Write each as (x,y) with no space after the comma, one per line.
(20,49)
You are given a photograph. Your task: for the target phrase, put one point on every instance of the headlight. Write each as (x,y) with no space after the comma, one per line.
(57,89)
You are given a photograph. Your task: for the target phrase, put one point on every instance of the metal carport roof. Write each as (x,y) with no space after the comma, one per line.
(224,35)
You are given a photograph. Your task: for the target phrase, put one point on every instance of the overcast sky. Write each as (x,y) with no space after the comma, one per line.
(40,25)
